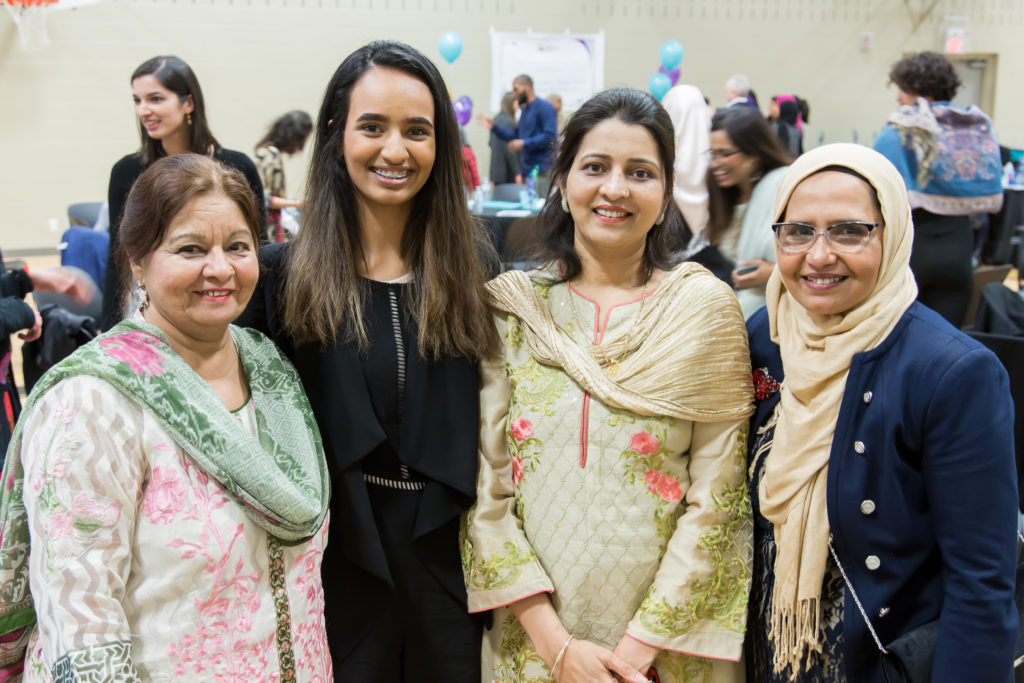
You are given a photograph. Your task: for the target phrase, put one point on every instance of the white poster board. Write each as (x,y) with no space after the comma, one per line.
(570,64)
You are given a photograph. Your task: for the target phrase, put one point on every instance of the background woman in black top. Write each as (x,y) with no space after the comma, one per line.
(379,301)
(172,120)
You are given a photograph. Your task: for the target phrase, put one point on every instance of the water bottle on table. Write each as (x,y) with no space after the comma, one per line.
(531,188)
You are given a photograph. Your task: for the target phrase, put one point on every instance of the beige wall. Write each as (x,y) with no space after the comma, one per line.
(66,112)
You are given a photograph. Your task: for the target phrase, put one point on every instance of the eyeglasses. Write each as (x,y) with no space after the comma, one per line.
(721,153)
(846,237)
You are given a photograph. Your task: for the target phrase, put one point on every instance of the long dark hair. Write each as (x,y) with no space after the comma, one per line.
(177,76)
(289,132)
(159,195)
(634,108)
(752,135)
(324,292)
(785,127)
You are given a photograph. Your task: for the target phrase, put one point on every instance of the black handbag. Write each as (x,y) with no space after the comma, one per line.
(908,659)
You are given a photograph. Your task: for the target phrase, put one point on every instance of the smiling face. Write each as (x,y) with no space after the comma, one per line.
(615,188)
(161,111)
(200,277)
(728,165)
(389,141)
(822,280)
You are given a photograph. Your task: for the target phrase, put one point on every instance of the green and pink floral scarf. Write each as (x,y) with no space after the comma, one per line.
(279,476)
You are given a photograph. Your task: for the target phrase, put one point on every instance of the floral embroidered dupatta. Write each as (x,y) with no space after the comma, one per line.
(278,477)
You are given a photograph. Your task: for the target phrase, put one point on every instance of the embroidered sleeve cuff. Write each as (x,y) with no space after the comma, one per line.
(105,663)
(481,601)
(714,643)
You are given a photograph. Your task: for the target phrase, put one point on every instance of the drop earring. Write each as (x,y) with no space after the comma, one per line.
(565,204)
(188,118)
(145,298)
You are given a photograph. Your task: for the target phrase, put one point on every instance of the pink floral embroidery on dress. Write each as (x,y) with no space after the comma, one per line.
(517,470)
(219,647)
(87,510)
(164,496)
(663,485)
(137,349)
(522,429)
(644,443)
(59,524)
(309,638)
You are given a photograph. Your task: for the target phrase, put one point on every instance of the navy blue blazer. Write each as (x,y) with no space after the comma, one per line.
(922,495)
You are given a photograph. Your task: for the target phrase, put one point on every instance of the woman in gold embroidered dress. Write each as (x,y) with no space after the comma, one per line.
(612,530)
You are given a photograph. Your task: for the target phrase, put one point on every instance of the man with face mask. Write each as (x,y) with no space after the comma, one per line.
(534,134)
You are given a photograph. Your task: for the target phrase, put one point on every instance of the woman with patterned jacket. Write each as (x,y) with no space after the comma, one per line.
(949,159)
(611,530)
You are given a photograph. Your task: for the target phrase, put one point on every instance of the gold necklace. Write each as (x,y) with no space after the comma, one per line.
(612,365)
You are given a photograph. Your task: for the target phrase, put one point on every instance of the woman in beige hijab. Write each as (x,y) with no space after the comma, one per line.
(882,447)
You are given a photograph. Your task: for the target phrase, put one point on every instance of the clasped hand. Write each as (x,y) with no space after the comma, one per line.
(587,662)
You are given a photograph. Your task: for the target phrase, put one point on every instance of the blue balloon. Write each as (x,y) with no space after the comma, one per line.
(671,54)
(450,46)
(659,84)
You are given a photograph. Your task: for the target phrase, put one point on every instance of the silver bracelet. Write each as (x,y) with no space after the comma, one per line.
(561,653)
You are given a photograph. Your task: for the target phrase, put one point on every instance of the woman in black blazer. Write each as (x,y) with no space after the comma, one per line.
(172,120)
(379,301)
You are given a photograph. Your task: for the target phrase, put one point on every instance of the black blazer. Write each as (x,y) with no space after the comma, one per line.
(439,437)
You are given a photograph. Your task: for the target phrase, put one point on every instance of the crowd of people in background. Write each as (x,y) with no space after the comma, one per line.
(724,428)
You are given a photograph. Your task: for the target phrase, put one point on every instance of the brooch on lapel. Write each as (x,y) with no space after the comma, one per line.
(764,384)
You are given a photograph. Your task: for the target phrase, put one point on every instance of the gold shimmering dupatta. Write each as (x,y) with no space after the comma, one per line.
(687,355)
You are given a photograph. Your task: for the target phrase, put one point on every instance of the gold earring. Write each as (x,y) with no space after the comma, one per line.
(661,219)
(565,204)
(145,297)
(188,118)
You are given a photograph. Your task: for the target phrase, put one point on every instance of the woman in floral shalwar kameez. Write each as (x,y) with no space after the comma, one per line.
(612,530)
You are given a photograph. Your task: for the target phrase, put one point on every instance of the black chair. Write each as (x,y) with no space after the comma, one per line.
(1000,327)
(84,213)
(508,192)
(1010,351)
(521,239)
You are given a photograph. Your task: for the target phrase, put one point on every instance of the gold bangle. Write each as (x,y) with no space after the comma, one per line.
(561,653)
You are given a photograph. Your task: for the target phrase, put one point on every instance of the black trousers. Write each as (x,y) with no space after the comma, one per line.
(941,261)
(423,635)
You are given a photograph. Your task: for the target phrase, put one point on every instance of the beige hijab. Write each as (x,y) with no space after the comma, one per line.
(816,354)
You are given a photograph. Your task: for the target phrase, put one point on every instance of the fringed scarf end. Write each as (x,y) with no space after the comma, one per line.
(796,637)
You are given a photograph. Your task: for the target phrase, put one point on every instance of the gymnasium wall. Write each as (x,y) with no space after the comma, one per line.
(66,111)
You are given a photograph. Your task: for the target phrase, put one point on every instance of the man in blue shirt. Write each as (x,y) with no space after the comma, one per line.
(536,131)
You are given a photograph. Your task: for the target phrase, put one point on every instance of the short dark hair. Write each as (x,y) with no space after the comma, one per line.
(289,132)
(634,108)
(160,194)
(752,135)
(927,74)
(177,76)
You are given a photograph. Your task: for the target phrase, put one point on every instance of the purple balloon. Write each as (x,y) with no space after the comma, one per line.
(463,110)
(673,73)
